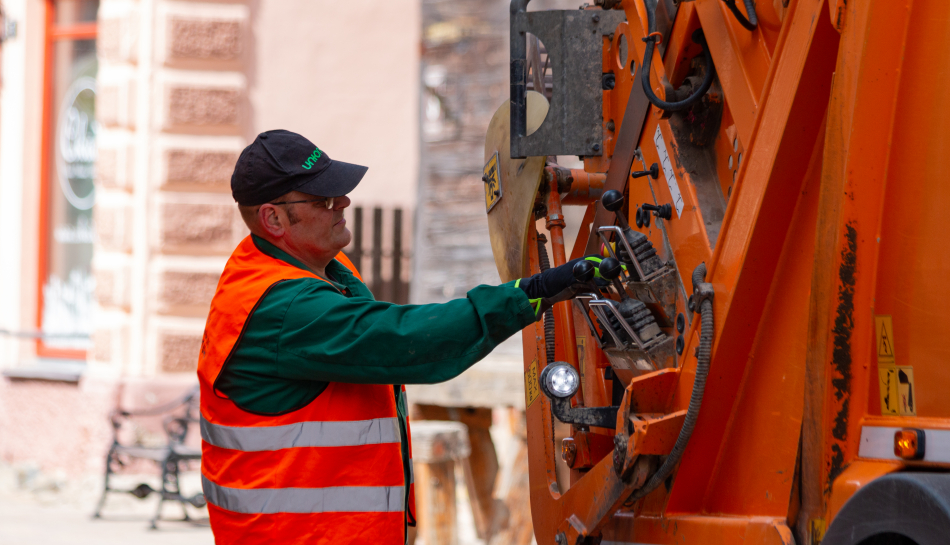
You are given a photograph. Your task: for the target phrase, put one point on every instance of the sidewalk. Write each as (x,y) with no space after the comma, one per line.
(44,510)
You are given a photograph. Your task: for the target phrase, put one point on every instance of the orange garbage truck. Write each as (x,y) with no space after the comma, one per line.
(766,184)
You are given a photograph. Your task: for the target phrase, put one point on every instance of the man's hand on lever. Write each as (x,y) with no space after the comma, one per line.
(555,285)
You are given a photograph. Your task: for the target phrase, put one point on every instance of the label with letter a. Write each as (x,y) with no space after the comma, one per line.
(668,171)
(532,388)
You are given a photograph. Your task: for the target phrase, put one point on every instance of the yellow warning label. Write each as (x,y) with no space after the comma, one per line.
(887,384)
(492,179)
(896,383)
(885,338)
(532,389)
(818,527)
(905,391)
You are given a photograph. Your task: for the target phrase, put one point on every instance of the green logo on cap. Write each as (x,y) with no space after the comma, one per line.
(312,160)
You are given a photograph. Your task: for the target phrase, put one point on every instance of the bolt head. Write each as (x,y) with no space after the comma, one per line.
(595,147)
(596,18)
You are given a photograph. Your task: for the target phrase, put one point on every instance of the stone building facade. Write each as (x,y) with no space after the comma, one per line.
(179,87)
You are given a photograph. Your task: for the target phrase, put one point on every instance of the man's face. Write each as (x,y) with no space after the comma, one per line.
(311,228)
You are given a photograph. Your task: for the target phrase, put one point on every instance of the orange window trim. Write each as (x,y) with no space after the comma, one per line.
(54,33)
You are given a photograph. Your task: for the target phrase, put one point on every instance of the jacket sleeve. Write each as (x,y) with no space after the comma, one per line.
(328,337)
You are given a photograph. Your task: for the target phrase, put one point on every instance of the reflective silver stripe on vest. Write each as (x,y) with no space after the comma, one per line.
(302,434)
(336,499)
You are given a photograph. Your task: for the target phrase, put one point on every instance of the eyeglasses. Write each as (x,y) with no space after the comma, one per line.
(328,200)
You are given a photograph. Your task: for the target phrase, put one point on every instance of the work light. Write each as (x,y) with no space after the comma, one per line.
(560,380)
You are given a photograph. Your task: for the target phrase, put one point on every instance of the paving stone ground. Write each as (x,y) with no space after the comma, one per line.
(38,509)
(41,509)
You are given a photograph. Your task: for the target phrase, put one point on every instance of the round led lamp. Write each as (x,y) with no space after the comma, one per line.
(560,380)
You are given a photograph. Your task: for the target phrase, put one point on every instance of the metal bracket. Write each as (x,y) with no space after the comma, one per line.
(574,43)
(703,292)
(602,417)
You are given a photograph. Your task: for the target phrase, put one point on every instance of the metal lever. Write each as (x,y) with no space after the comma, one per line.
(664,211)
(610,268)
(654,172)
(602,231)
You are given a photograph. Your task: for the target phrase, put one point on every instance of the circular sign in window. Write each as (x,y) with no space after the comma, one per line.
(76,144)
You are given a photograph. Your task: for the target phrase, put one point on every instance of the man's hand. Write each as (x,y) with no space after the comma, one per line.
(553,285)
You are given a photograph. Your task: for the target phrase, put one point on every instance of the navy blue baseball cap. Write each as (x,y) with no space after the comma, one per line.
(280,161)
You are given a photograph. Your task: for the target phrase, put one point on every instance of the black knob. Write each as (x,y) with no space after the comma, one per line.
(680,322)
(643,218)
(664,211)
(612,200)
(584,271)
(610,268)
(653,172)
(680,344)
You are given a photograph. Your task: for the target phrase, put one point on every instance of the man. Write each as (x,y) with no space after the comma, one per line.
(303,416)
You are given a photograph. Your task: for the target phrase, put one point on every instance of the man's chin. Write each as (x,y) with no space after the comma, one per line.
(345,238)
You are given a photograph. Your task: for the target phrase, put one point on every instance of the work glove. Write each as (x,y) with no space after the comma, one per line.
(554,285)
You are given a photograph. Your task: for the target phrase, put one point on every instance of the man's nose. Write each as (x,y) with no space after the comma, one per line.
(340,203)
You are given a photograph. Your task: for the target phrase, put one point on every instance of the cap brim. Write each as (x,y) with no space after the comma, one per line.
(337,180)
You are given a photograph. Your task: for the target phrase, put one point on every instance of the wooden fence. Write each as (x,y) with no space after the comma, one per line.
(380,250)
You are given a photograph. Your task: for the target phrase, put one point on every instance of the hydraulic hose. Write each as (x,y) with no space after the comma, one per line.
(650,40)
(695,399)
(549,326)
(752,22)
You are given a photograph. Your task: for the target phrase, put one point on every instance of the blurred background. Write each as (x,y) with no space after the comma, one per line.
(120,122)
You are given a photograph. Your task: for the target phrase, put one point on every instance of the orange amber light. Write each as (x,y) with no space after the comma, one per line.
(568,451)
(909,444)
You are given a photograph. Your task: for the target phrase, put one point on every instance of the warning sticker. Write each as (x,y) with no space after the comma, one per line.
(905,391)
(897,390)
(887,384)
(668,171)
(532,389)
(492,179)
(884,330)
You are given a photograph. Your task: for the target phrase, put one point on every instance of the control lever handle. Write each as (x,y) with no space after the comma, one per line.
(610,269)
(584,271)
(664,211)
(612,200)
(654,172)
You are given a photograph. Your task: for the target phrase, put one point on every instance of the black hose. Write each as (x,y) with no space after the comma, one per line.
(549,328)
(650,40)
(752,22)
(699,276)
(695,399)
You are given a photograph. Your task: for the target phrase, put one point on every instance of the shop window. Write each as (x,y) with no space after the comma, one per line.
(67,195)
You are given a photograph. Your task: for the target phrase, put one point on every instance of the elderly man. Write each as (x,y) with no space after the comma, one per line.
(303,416)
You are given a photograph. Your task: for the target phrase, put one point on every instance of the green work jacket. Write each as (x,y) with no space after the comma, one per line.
(305,333)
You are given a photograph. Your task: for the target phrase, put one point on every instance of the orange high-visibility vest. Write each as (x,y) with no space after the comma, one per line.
(330,472)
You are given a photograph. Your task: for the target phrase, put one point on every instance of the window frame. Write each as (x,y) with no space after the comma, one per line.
(53,33)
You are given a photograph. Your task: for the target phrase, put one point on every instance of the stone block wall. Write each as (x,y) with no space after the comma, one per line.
(171,108)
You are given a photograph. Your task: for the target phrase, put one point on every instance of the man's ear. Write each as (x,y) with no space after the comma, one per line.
(271,221)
